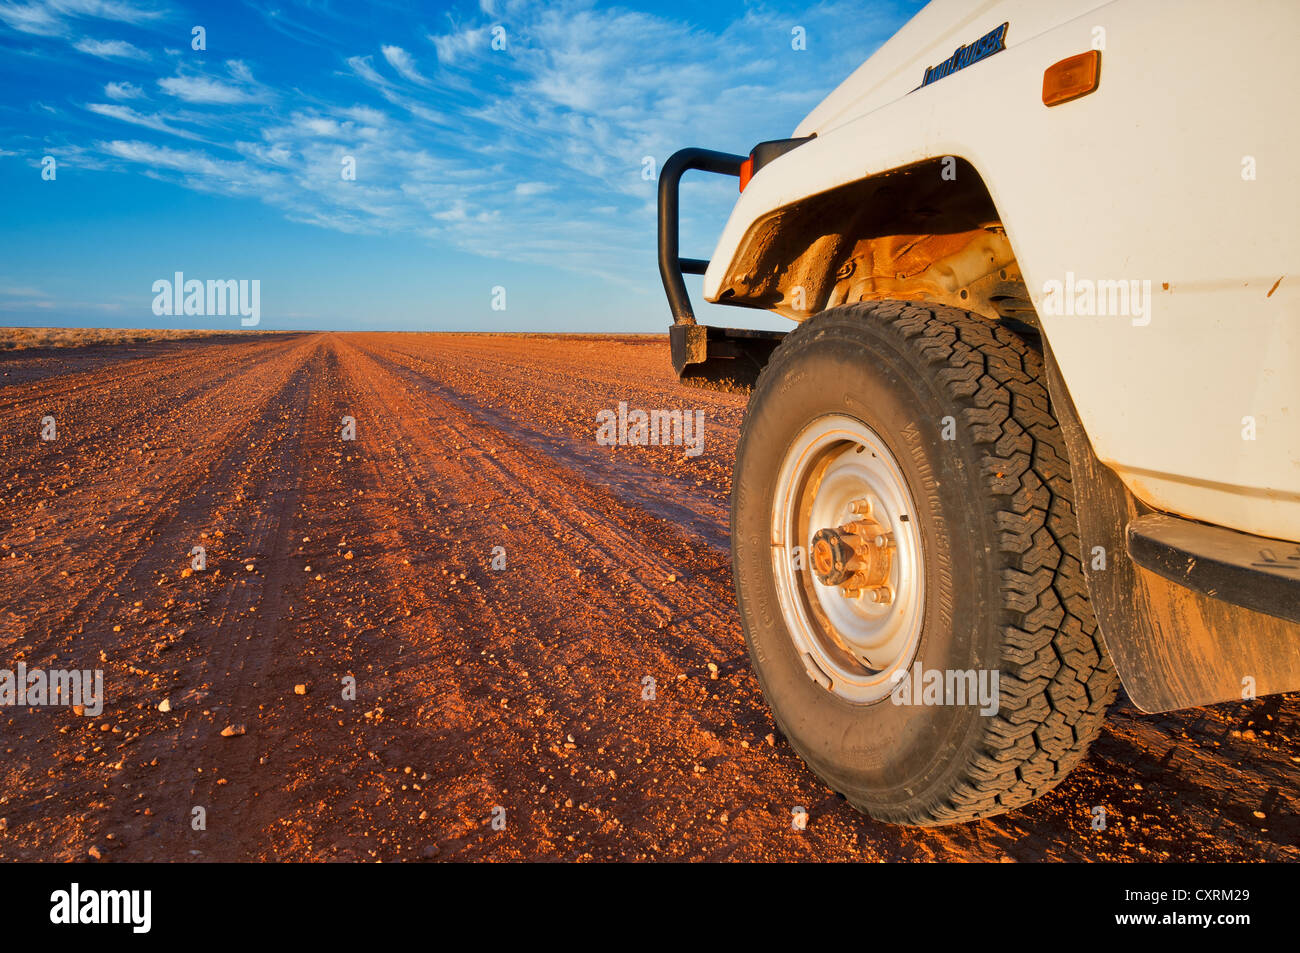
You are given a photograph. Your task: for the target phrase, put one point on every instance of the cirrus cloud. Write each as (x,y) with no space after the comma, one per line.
(123,90)
(206,90)
(401,61)
(111,49)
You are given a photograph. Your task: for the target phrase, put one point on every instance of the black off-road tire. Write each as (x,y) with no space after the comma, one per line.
(1004,586)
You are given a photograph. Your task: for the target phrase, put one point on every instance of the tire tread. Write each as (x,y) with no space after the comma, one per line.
(1057,678)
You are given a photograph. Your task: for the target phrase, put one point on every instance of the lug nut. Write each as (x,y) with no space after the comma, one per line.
(881,595)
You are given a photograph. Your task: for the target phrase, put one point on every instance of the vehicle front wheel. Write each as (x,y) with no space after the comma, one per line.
(907,567)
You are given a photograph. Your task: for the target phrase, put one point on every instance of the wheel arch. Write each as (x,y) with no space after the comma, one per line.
(928,231)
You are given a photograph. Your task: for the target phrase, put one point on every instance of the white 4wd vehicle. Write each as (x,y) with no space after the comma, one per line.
(1039,424)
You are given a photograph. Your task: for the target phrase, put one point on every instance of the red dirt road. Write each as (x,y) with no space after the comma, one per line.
(476,688)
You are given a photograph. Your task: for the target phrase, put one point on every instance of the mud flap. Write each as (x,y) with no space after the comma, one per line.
(1173,647)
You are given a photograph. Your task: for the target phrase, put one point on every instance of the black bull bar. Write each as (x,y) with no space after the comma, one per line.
(725,358)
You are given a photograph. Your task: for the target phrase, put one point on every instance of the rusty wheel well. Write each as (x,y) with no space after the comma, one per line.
(925,232)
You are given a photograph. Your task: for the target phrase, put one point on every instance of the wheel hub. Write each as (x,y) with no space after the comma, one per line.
(856,557)
(854,606)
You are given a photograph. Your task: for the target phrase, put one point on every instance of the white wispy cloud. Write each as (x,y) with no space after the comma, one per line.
(201,88)
(362,68)
(529,189)
(454,45)
(198,170)
(191,162)
(401,61)
(34,18)
(153,121)
(110,49)
(59,17)
(123,90)
(240,72)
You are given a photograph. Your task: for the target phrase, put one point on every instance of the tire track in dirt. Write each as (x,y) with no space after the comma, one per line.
(229,657)
(556,644)
(508,375)
(672,492)
(94,627)
(106,400)
(176,472)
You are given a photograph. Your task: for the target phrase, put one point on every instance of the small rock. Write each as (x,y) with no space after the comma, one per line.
(230,731)
(248,566)
(94,852)
(300,689)
(771,740)
(165,705)
(1260,814)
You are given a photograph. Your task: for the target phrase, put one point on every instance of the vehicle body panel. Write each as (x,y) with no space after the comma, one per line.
(1196,403)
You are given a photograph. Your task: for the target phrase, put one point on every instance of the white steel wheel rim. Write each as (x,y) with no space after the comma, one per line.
(850,646)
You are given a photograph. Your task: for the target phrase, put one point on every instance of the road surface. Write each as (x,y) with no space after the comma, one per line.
(516,695)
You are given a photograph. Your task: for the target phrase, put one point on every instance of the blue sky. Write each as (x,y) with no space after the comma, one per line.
(475,167)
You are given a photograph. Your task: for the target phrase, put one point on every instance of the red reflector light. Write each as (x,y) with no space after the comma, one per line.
(746,173)
(1071,78)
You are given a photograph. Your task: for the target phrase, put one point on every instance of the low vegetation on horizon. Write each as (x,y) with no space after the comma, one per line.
(17,339)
